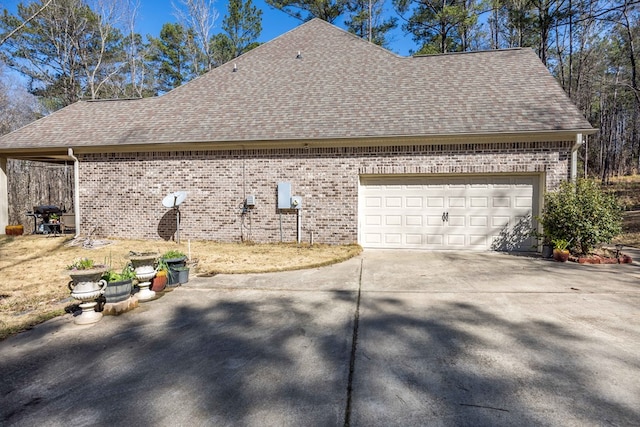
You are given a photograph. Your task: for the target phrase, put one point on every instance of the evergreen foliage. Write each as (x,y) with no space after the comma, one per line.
(582,214)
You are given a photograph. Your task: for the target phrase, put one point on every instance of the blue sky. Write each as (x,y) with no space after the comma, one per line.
(154,13)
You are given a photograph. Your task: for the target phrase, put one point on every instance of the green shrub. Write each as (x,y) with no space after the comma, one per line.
(126,274)
(581,213)
(173,254)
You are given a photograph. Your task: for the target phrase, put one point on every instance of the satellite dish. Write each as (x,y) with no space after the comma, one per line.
(174,200)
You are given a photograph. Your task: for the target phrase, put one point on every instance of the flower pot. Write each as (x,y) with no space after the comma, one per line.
(89,275)
(179,261)
(87,286)
(118,291)
(159,283)
(561,255)
(547,251)
(14,230)
(143,259)
(173,277)
(183,274)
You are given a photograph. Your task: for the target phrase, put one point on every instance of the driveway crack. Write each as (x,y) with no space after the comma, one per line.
(354,345)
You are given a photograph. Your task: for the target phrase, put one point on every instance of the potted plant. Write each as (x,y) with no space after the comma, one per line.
(174,259)
(545,239)
(159,282)
(143,264)
(119,284)
(85,270)
(561,250)
(87,285)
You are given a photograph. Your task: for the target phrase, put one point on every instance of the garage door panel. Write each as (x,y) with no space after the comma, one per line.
(414,239)
(478,221)
(524,202)
(478,240)
(457,202)
(436,240)
(478,182)
(393,238)
(478,202)
(456,221)
(393,202)
(414,202)
(435,202)
(373,202)
(500,221)
(414,220)
(501,183)
(457,240)
(373,220)
(372,238)
(484,212)
(501,202)
(393,220)
(434,222)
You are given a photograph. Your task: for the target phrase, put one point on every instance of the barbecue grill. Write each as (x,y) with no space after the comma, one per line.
(41,218)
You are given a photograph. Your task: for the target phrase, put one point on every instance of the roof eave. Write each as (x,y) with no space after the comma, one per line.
(60,154)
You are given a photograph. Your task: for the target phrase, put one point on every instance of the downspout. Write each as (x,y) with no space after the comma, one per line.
(574,157)
(76,190)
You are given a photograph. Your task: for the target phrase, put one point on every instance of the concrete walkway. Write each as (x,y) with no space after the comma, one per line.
(388,338)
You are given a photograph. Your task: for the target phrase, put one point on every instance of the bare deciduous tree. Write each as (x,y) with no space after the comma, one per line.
(200,17)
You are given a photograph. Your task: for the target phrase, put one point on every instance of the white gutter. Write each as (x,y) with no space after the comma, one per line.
(574,157)
(76,190)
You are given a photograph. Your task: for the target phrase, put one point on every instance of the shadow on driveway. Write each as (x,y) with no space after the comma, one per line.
(442,339)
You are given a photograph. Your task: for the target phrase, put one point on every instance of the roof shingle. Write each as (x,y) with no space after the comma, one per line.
(340,87)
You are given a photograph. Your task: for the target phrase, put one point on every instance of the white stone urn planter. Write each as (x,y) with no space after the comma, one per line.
(86,286)
(144,267)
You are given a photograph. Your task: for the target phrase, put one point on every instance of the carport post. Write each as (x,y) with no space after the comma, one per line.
(4,196)
(76,190)
(574,157)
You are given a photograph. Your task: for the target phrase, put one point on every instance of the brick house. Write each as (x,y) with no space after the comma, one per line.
(433,152)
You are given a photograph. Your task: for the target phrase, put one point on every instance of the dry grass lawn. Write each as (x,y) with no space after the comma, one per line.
(33,287)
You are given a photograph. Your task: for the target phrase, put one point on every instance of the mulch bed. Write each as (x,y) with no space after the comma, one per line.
(601,259)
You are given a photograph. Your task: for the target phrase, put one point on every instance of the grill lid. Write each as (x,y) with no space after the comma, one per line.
(47,209)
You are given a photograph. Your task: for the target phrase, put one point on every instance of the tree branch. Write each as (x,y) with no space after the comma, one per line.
(19,27)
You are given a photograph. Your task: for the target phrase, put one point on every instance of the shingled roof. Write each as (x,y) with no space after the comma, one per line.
(319,82)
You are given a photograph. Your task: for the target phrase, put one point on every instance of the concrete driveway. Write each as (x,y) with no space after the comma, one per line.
(389,338)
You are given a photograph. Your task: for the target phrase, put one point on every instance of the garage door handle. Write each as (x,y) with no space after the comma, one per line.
(445,216)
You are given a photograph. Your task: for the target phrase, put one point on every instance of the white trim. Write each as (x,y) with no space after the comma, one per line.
(366,141)
(4,196)
(574,157)
(76,190)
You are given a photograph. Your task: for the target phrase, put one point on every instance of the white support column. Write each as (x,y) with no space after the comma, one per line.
(76,189)
(4,196)
(574,157)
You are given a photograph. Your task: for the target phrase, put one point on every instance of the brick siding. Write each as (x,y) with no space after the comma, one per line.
(121,194)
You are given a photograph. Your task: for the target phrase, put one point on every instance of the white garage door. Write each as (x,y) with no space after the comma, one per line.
(476,212)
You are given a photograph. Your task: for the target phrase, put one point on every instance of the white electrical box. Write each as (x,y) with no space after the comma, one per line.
(296,202)
(284,195)
(250,200)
